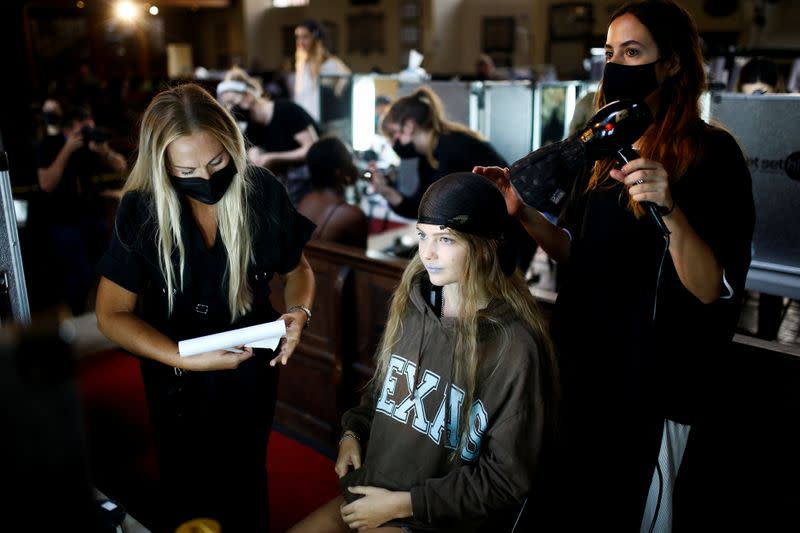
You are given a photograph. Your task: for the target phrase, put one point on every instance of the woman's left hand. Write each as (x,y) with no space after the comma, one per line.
(647,181)
(377,507)
(295,323)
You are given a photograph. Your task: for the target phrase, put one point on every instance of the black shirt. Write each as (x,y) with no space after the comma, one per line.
(201,307)
(455,152)
(71,197)
(459,152)
(288,119)
(610,350)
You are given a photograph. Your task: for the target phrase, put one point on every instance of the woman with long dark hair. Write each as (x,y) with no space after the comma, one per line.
(640,320)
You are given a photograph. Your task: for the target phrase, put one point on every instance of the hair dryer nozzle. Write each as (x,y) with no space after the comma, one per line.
(615,125)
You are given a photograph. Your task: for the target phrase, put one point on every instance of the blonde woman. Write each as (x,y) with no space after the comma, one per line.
(198,236)
(279,132)
(311,60)
(465,384)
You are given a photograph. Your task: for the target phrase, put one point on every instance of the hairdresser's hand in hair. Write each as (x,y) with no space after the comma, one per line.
(349,455)
(646,180)
(501,178)
(295,323)
(377,507)
(216,360)
(550,237)
(382,187)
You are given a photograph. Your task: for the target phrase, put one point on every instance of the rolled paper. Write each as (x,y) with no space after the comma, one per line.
(265,335)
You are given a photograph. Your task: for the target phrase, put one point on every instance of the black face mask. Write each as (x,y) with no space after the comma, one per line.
(208,191)
(634,82)
(404,151)
(240,114)
(51,118)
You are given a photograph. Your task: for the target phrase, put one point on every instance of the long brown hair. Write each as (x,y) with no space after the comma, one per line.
(483,278)
(426,109)
(672,140)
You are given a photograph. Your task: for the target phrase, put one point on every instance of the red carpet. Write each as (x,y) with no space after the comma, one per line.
(123,460)
(300,480)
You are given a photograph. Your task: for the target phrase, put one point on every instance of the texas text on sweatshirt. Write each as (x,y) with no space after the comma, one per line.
(410,443)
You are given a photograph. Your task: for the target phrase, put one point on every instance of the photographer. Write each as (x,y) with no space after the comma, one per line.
(68,164)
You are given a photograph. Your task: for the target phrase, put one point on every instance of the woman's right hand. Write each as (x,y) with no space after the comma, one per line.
(501,178)
(349,455)
(257,156)
(382,187)
(216,360)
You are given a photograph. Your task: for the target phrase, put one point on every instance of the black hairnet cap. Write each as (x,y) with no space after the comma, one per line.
(465,202)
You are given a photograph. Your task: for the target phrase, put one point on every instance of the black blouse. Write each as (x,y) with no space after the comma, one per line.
(603,324)
(201,305)
(455,152)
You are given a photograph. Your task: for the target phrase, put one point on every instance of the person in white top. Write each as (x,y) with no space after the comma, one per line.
(311,60)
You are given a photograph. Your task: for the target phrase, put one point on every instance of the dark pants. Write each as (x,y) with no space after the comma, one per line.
(211,433)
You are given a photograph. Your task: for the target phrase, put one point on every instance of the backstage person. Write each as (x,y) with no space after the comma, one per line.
(312,59)
(198,237)
(418,128)
(466,341)
(760,76)
(641,321)
(332,171)
(280,131)
(68,165)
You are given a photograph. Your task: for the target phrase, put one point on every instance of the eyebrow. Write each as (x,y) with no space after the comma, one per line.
(626,43)
(192,168)
(434,234)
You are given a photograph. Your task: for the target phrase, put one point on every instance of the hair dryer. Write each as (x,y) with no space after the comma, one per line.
(545,177)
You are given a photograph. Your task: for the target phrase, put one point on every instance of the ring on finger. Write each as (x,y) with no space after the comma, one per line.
(639,181)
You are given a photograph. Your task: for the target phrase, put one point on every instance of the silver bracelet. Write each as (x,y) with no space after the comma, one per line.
(349,435)
(302,308)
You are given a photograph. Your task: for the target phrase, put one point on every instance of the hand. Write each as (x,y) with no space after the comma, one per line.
(502,179)
(382,187)
(295,323)
(377,507)
(216,360)
(646,180)
(349,454)
(99,148)
(258,157)
(74,141)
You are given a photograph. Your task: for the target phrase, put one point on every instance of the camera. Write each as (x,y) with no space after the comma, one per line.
(98,135)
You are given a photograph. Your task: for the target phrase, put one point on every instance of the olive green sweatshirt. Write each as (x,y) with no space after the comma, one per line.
(409,421)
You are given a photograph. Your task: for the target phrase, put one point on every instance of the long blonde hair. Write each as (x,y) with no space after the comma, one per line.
(426,109)
(483,278)
(174,113)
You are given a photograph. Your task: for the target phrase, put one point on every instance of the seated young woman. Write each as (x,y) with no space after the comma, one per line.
(450,432)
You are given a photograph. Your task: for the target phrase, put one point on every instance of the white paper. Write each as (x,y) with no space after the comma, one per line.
(265,335)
